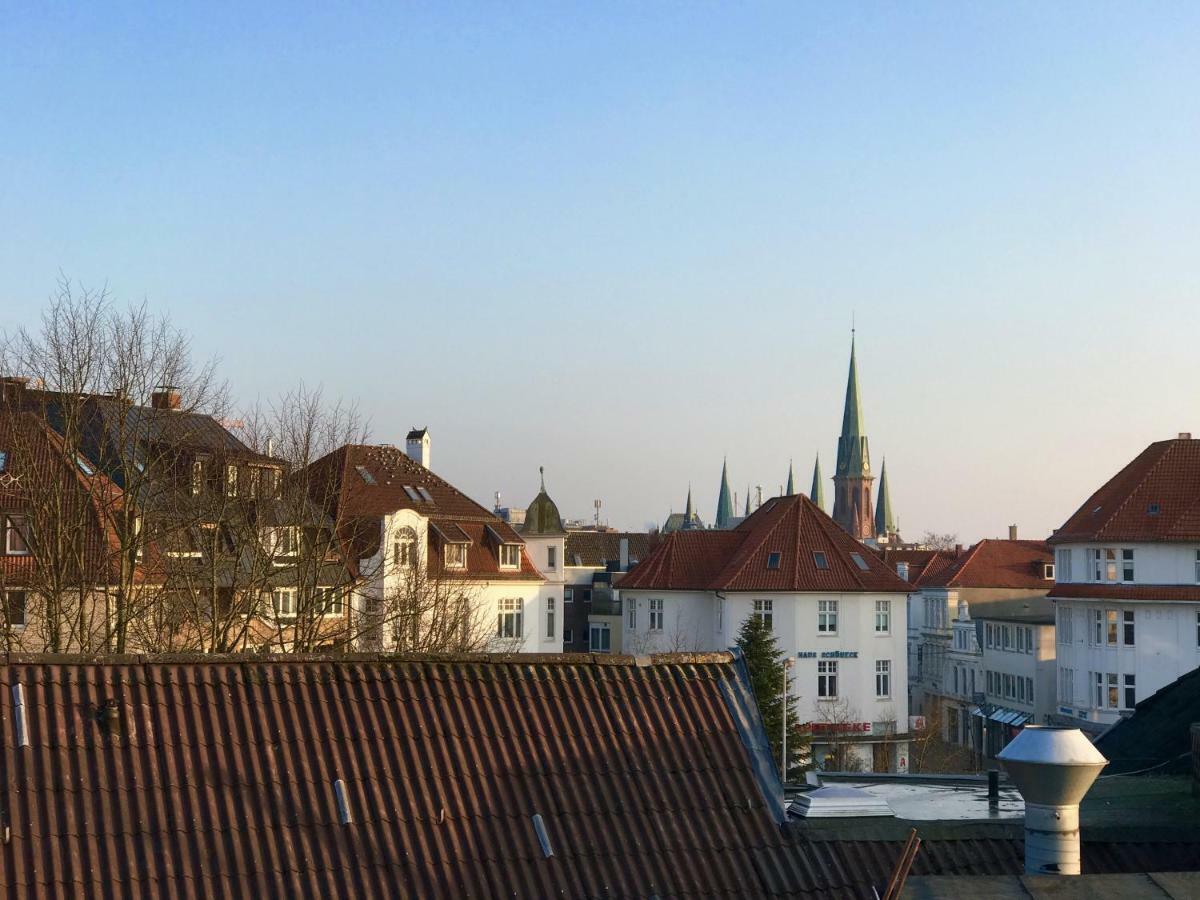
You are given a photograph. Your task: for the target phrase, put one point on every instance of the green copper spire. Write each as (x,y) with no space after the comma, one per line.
(791,488)
(817,494)
(724,499)
(853,457)
(885,522)
(688,512)
(747,513)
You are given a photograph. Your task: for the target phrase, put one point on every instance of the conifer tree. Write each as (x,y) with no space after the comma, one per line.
(765,662)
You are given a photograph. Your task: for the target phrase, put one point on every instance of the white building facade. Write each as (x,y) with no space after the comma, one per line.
(848,646)
(1127,586)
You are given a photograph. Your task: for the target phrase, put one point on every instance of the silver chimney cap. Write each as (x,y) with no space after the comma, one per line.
(1052,766)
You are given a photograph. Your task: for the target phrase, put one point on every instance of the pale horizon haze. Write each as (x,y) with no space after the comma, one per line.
(624,241)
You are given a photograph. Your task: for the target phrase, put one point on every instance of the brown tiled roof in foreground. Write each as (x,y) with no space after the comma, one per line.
(1156,497)
(737,560)
(217,778)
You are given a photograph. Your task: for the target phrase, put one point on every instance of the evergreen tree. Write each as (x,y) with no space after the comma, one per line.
(765,662)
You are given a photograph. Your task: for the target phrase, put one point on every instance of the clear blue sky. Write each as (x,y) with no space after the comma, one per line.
(621,241)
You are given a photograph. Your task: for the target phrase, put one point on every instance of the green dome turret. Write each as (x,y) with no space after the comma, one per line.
(542,518)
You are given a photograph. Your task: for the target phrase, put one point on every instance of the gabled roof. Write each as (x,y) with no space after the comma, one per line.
(596,548)
(222,778)
(1156,497)
(737,560)
(996,564)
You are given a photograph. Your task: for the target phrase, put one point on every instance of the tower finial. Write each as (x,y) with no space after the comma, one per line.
(542,473)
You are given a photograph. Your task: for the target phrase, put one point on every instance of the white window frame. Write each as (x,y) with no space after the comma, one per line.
(510,556)
(551,556)
(827,679)
(550,623)
(510,618)
(883,616)
(600,628)
(631,614)
(764,611)
(1129,691)
(285,604)
(827,617)
(457,559)
(8,607)
(1128,628)
(883,679)
(16,526)
(333,602)
(657,615)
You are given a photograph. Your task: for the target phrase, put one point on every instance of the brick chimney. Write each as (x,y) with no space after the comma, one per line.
(166,397)
(1012,532)
(12,389)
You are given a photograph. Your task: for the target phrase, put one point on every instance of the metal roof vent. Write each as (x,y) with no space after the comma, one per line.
(343,804)
(539,827)
(1053,769)
(20,716)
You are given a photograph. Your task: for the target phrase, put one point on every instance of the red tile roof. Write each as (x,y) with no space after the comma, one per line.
(360,482)
(1154,498)
(1183,593)
(795,528)
(595,548)
(934,570)
(219,779)
(997,564)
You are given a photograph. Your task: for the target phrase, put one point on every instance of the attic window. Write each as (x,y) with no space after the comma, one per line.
(510,556)
(364,474)
(84,466)
(1153,509)
(456,556)
(412,493)
(773,560)
(820,559)
(859,561)
(1048,571)
(425,495)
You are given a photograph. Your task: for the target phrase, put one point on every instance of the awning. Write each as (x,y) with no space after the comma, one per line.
(1004,716)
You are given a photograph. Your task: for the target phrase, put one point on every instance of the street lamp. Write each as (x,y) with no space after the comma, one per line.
(787,665)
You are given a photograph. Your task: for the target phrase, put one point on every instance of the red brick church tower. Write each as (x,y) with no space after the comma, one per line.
(852,479)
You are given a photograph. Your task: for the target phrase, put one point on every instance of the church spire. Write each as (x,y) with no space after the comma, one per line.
(791,487)
(852,478)
(688,512)
(724,499)
(885,522)
(817,493)
(747,513)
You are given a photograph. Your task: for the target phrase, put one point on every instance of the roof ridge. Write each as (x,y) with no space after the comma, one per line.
(721,576)
(961,567)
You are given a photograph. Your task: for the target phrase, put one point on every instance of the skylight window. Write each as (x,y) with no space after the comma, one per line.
(84,466)
(773,560)
(412,493)
(425,495)
(1153,509)
(365,475)
(859,561)
(820,559)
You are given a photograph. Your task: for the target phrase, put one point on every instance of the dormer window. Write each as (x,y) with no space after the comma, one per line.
(456,556)
(282,543)
(773,560)
(510,556)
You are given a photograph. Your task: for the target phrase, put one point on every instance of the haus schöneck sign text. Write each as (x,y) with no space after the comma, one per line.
(827,654)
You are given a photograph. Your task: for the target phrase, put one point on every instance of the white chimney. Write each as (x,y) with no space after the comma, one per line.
(417,446)
(1012,532)
(624,554)
(1052,768)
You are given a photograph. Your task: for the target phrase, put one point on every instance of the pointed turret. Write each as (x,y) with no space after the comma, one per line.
(817,493)
(688,511)
(724,498)
(747,512)
(791,486)
(885,521)
(852,478)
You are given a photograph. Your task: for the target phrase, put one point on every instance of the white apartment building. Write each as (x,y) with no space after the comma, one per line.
(440,570)
(982,635)
(1128,586)
(836,609)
